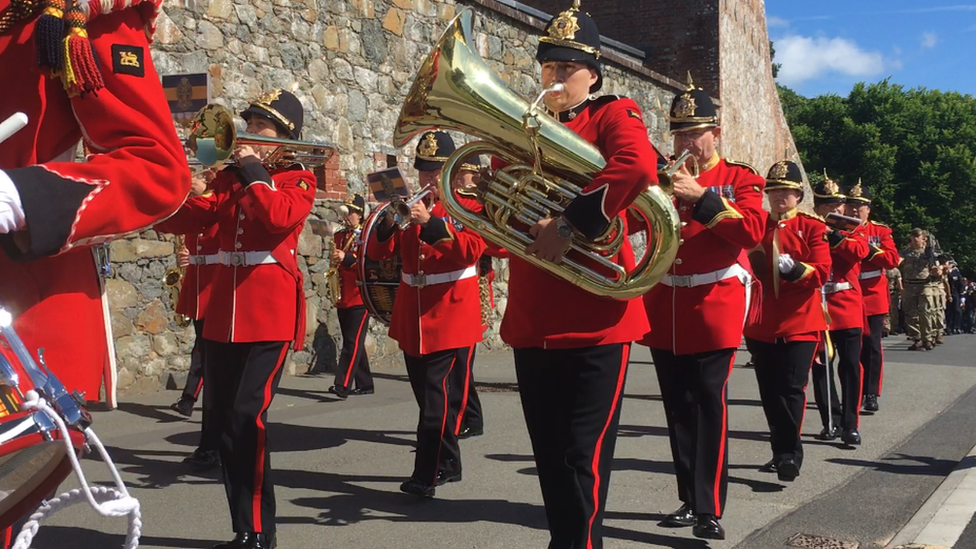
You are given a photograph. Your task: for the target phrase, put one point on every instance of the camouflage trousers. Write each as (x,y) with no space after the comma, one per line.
(920,304)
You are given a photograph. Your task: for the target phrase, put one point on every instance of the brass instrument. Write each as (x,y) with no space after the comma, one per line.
(840,222)
(213,139)
(401,208)
(173,280)
(333,283)
(548,167)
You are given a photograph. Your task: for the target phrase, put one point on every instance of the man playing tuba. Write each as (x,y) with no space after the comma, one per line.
(571,346)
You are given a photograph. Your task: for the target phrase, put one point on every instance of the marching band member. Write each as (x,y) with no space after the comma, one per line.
(785,340)
(706,292)
(194,296)
(571,346)
(437,312)
(52,210)
(874,284)
(260,213)
(353,318)
(844,306)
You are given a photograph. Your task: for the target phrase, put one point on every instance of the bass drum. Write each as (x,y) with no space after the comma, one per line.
(33,459)
(378,280)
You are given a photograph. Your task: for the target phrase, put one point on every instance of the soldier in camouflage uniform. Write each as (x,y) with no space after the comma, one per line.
(941,287)
(921,292)
(892,322)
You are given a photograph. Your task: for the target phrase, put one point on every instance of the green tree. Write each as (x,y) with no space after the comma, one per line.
(915,149)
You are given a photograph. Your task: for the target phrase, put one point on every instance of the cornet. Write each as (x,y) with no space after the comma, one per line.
(401,208)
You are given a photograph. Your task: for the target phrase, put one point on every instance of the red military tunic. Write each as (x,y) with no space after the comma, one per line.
(842,289)
(689,315)
(256,294)
(136,176)
(883,255)
(195,292)
(548,312)
(437,316)
(797,314)
(349,294)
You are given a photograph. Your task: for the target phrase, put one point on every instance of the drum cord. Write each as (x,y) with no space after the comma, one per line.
(115,502)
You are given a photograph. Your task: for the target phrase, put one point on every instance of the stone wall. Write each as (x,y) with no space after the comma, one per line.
(351,63)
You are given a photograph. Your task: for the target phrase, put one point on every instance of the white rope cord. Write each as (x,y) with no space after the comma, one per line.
(115,502)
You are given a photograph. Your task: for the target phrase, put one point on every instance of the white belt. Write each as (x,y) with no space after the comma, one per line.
(421,280)
(210,259)
(245,259)
(690,281)
(869,274)
(834,287)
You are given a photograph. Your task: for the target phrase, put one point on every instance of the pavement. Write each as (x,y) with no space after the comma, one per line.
(338,465)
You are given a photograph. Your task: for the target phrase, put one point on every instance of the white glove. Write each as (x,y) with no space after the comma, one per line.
(11,211)
(786,263)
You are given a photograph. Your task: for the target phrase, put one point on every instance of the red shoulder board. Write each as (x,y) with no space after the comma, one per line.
(739,164)
(148,8)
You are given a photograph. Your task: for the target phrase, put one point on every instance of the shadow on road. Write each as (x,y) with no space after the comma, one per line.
(58,537)
(902,464)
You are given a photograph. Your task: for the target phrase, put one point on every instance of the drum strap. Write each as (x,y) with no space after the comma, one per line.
(116,502)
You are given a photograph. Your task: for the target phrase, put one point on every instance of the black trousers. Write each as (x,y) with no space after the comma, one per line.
(465,404)
(240,381)
(571,399)
(437,443)
(782,371)
(194,378)
(954,315)
(847,349)
(353,362)
(694,389)
(872,359)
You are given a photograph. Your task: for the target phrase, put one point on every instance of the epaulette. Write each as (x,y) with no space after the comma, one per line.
(148,9)
(812,216)
(604,100)
(873,222)
(749,167)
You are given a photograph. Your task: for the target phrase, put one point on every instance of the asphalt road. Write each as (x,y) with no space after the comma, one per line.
(338,465)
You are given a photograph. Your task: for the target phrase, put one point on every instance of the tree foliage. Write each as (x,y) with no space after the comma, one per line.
(915,149)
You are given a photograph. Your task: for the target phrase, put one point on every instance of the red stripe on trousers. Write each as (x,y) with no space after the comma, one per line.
(464,399)
(625,357)
(880,367)
(803,414)
(721,444)
(196,393)
(440,439)
(262,442)
(355,351)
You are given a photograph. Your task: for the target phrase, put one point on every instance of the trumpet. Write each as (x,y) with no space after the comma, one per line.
(840,222)
(664,175)
(401,208)
(213,139)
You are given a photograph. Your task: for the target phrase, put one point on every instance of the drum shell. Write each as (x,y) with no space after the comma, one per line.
(378,280)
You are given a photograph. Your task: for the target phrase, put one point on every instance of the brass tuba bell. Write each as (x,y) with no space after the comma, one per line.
(548,167)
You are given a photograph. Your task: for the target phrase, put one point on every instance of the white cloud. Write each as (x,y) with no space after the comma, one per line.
(805,58)
(929,40)
(773,21)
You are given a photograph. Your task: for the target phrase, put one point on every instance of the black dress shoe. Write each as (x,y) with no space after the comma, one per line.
(471,431)
(769,467)
(829,435)
(203,458)
(183,406)
(249,540)
(851,437)
(417,487)
(362,391)
(707,527)
(787,470)
(444,477)
(684,516)
(339,391)
(870,403)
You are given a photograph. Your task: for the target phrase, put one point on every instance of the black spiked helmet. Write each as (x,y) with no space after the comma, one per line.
(828,192)
(859,196)
(573,36)
(280,107)
(784,175)
(692,110)
(433,150)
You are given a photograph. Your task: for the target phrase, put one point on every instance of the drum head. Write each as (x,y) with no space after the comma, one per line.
(379,280)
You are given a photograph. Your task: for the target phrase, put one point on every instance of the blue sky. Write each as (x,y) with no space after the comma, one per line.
(828,46)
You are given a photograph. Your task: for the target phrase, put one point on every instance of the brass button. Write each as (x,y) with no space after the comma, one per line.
(240,230)
(238,245)
(243,217)
(677,261)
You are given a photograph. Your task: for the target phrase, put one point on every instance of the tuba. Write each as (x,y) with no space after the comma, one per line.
(548,166)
